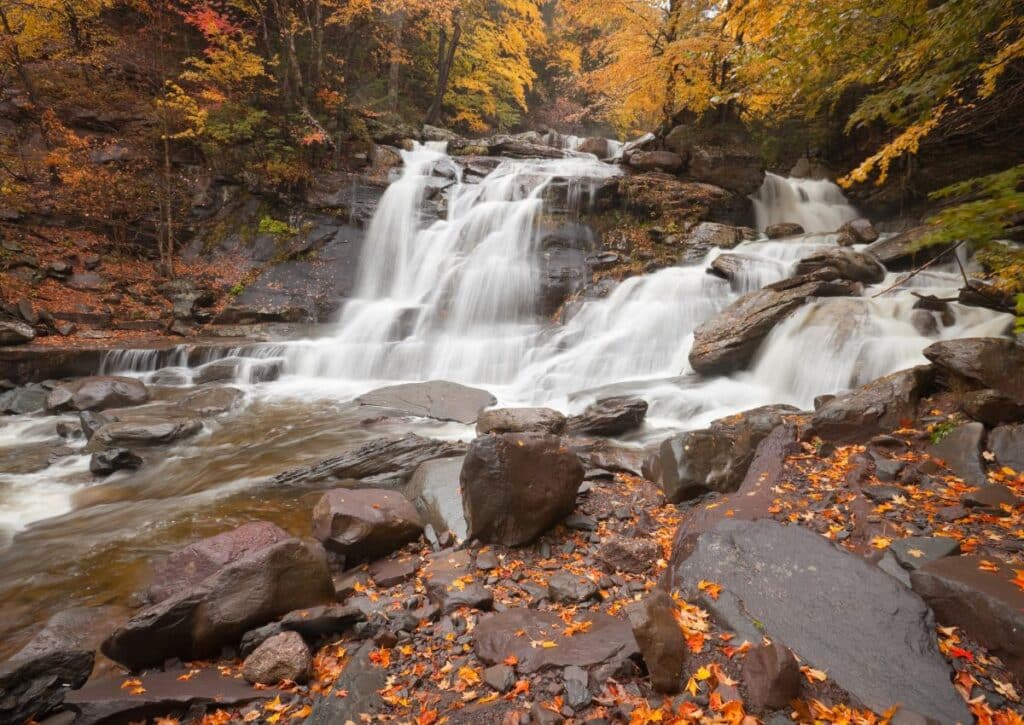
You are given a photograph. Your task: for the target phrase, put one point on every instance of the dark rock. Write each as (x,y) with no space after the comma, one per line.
(283,657)
(541,715)
(843,263)
(991,498)
(236,369)
(960,449)
(789,583)
(706,236)
(59,270)
(207,402)
(515,486)
(778,231)
(97,393)
(886,469)
(520,420)
(630,555)
(87,282)
(92,422)
(609,417)
(500,678)
(327,620)
(882,406)
(28,312)
(391,572)
(881,494)
(902,252)
(661,640)
(771,676)
(987,605)
(198,620)
(981,362)
(450,582)
(568,588)
(362,680)
(365,524)
(23,401)
(916,551)
(434,490)
(437,399)
(577,692)
(608,640)
(991,407)
(655,161)
(1007,443)
(857,231)
(729,340)
(143,431)
(103,463)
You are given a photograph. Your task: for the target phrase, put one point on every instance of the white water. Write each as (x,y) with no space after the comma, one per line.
(816,205)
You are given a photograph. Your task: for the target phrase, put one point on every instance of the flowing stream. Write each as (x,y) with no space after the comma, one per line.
(454,299)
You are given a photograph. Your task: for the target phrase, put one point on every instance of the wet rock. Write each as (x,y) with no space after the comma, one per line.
(771,676)
(925,323)
(991,407)
(902,251)
(785,229)
(881,406)
(706,236)
(843,263)
(960,449)
(568,588)
(985,604)
(196,621)
(437,399)
(92,422)
(236,369)
(991,499)
(283,657)
(208,402)
(916,551)
(1007,444)
(451,583)
(97,393)
(857,231)
(655,161)
(628,554)
(577,692)
(728,341)
(392,572)
(788,583)
(520,420)
(103,463)
(985,362)
(434,490)
(316,623)
(500,678)
(362,680)
(143,431)
(515,486)
(609,417)
(23,401)
(608,640)
(365,524)
(660,640)
(714,459)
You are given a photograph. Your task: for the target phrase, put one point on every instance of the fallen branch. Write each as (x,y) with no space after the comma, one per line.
(923,267)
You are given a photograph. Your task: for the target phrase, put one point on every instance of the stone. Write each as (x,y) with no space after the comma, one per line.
(655,161)
(434,490)
(784,229)
(450,582)
(236,369)
(281,658)
(628,554)
(143,431)
(196,621)
(207,402)
(568,588)
(362,680)
(882,406)
(991,407)
(991,499)
(28,312)
(902,252)
(576,686)
(364,524)
(843,263)
(916,551)
(520,420)
(328,620)
(104,463)
(23,401)
(836,611)
(15,332)
(609,417)
(1007,444)
(960,450)
(97,393)
(609,640)
(661,641)
(728,341)
(392,572)
(437,399)
(857,231)
(987,605)
(87,282)
(982,362)
(771,676)
(706,236)
(516,486)
(500,678)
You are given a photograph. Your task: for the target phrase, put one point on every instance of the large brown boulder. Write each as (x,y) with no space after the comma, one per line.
(97,393)
(661,640)
(143,431)
(197,621)
(857,231)
(655,161)
(609,417)
(520,420)
(438,399)
(845,264)
(881,406)
(366,523)
(281,658)
(728,341)
(980,362)
(515,486)
(904,251)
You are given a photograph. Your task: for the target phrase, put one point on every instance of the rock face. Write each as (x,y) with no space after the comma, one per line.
(609,417)
(282,657)
(520,420)
(515,486)
(879,407)
(707,236)
(960,449)
(364,524)
(835,610)
(714,459)
(901,252)
(729,340)
(97,393)
(980,362)
(988,406)
(778,231)
(845,264)
(14,332)
(655,161)
(719,150)
(661,641)
(857,231)
(434,490)
(1007,443)
(198,620)
(986,604)
(435,399)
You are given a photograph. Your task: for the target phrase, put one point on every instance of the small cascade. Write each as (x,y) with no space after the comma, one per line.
(816,205)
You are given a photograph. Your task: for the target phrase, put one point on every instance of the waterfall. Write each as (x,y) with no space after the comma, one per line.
(816,205)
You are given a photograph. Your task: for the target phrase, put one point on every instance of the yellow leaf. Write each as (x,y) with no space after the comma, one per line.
(813,675)
(881,542)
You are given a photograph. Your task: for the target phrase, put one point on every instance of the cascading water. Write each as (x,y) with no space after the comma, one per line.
(817,205)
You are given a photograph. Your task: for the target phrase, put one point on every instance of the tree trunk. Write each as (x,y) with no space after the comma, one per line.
(394,74)
(288,36)
(444,70)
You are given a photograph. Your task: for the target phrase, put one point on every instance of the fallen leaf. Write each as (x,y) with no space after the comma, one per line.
(813,675)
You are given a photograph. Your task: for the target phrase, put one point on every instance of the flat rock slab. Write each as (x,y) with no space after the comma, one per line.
(608,639)
(106,701)
(437,399)
(835,610)
(362,680)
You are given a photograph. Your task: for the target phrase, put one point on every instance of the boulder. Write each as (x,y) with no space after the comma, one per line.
(515,486)
(520,420)
(207,402)
(992,363)
(771,675)
(565,587)
(15,332)
(97,393)
(857,231)
(361,680)
(729,340)
(451,584)
(705,236)
(143,431)
(22,401)
(661,641)
(387,573)
(629,554)
(1007,443)
(835,610)
(437,399)
(655,161)
(608,640)
(281,658)
(916,551)
(960,449)
(843,263)
(903,251)
(881,406)
(434,490)
(987,605)
(609,417)
(597,146)
(103,463)
(991,407)
(197,621)
(784,229)
(237,369)
(713,459)
(365,524)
